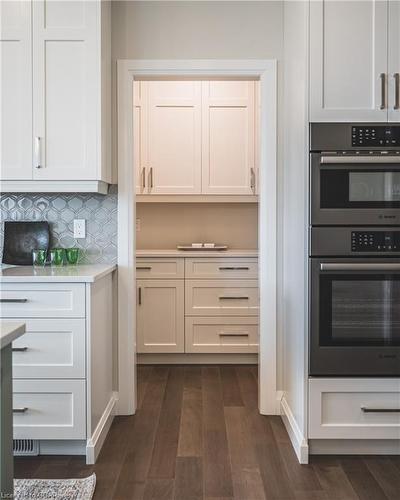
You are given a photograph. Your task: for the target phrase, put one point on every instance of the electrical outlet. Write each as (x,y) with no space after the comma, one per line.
(138,225)
(79,228)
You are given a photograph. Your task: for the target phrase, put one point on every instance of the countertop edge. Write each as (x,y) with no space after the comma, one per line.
(84,278)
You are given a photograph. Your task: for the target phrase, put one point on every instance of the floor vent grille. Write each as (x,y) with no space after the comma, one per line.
(25,447)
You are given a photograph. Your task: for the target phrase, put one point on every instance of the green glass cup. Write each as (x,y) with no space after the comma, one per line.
(39,257)
(72,256)
(57,256)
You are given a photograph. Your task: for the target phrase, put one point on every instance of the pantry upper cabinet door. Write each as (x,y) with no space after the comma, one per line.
(394,61)
(16,90)
(174,137)
(348,61)
(66,95)
(140,136)
(228,151)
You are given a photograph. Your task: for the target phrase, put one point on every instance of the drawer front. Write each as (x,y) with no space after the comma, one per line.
(159,268)
(221,335)
(211,268)
(354,408)
(221,298)
(50,348)
(49,409)
(42,300)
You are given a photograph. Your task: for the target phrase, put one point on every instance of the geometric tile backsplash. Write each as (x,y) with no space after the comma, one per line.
(99,211)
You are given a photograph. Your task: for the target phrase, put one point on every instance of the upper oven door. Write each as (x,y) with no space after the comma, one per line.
(349,190)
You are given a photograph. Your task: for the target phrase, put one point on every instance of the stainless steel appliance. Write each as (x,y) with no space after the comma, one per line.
(354,174)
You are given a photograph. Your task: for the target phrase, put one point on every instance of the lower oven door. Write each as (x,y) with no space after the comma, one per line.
(355,317)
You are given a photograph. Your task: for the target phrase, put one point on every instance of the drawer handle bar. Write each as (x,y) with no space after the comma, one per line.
(14,301)
(359,159)
(241,297)
(233,268)
(20,410)
(359,266)
(380,410)
(143,268)
(233,334)
(19,349)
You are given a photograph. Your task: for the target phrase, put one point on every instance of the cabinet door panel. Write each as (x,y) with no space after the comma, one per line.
(348,53)
(65,89)
(174,137)
(160,316)
(16,90)
(228,155)
(140,135)
(394,60)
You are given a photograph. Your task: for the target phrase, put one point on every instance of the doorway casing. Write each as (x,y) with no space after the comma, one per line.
(266,72)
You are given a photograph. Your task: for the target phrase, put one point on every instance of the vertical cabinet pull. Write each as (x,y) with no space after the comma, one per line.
(252,179)
(382,76)
(151,177)
(396,77)
(38,152)
(144,178)
(140,296)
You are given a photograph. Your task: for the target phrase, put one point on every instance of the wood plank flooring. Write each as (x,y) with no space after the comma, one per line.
(198,435)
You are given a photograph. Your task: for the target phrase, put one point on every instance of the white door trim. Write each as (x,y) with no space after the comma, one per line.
(266,71)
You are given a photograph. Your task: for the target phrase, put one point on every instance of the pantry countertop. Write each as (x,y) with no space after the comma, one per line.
(197,253)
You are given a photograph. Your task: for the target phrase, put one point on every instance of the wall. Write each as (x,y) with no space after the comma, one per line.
(100,212)
(166,225)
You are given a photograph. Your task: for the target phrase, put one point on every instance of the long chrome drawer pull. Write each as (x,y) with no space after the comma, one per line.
(20,410)
(233,334)
(143,268)
(380,410)
(241,297)
(19,349)
(383,105)
(14,301)
(233,268)
(360,266)
(360,159)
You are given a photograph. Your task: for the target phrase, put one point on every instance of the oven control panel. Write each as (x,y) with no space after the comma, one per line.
(375,241)
(375,136)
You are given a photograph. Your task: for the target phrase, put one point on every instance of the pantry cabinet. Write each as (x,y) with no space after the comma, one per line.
(57,72)
(350,43)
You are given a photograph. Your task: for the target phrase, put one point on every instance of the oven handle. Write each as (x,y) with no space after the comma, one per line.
(360,266)
(359,159)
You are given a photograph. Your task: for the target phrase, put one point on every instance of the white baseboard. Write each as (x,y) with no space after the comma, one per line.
(96,441)
(207,359)
(299,442)
(354,446)
(62,447)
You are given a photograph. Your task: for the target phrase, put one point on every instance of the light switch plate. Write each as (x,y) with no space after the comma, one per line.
(79,228)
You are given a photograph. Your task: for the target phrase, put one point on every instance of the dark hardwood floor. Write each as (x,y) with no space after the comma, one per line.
(197,435)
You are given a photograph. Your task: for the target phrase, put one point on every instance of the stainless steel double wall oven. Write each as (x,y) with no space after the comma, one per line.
(354,250)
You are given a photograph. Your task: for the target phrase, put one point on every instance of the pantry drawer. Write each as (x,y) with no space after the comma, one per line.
(221,298)
(42,300)
(49,409)
(211,268)
(354,408)
(159,268)
(50,348)
(221,335)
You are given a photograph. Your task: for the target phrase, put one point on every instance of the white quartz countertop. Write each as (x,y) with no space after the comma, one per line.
(9,331)
(66,274)
(196,253)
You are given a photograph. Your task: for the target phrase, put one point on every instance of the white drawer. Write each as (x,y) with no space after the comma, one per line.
(354,408)
(221,297)
(42,300)
(50,348)
(159,268)
(211,268)
(49,409)
(221,335)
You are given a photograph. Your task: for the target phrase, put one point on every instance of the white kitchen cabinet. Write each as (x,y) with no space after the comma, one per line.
(228,137)
(16,90)
(394,61)
(63,65)
(348,60)
(160,316)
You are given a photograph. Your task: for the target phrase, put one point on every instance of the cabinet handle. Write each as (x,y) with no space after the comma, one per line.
(19,349)
(382,76)
(144,177)
(396,77)
(233,334)
(252,179)
(143,268)
(380,410)
(20,410)
(140,296)
(151,177)
(13,301)
(38,152)
(240,297)
(233,268)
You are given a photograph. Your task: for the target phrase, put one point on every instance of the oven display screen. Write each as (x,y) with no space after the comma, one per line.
(375,241)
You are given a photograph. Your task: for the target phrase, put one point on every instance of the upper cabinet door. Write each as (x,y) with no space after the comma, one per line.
(140,136)
(66,95)
(16,90)
(174,137)
(394,61)
(228,149)
(348,61)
